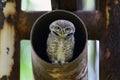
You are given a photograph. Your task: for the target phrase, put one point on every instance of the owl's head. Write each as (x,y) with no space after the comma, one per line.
(62,28)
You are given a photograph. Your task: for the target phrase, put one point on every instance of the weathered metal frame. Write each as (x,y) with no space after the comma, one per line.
(22,21)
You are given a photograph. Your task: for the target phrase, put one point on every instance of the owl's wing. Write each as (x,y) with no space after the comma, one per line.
(70,48)
(51,46)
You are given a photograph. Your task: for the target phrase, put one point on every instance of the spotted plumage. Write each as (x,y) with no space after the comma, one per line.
(60,42)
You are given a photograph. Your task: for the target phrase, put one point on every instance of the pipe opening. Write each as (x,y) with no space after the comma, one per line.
(41,30)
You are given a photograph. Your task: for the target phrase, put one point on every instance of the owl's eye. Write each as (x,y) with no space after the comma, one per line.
(57,27)
(68,29)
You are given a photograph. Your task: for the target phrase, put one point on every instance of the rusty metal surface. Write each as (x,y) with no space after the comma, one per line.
(110,44)
(46,71)
(63,4)
(95,22)
(25,22)
(22,22)
(9,55)
(101,5)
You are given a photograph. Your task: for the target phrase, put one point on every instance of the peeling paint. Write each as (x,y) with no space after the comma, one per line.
(2,5)
(10,9)
(8,49)
(7,41)
(4,77)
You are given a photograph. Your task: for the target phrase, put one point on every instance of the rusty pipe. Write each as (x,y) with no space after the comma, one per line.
(42,68)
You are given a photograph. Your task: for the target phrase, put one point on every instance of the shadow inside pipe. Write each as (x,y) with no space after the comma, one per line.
(40,31)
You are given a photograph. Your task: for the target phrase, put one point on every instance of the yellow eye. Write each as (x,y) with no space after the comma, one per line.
(57,27)
(68,29)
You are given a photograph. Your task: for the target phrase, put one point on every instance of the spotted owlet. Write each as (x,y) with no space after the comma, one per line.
(60,42)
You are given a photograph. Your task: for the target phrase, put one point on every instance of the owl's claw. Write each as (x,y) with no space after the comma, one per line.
(55,61)
(66,62)
(62,62)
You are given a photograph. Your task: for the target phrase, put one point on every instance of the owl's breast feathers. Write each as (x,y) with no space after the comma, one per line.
(60,49)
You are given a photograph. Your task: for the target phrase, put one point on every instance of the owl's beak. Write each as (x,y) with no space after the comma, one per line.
(62,34)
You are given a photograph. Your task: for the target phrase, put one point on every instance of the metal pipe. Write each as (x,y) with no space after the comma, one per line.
(42,68)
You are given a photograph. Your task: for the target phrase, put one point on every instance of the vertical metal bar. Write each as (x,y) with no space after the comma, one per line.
(80,4)
(110,47)
(101,5)
(9,43)
(97,4)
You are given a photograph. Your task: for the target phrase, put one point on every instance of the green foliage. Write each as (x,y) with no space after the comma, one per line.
(26,72)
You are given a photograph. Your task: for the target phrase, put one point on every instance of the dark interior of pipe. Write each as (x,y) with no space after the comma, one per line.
(40,33)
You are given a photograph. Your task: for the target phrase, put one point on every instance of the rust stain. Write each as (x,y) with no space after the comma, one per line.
(108,8)
(4,77)
(23,25)
(9,12)
(116,2)
(107,13)
(107,54)
(7,41)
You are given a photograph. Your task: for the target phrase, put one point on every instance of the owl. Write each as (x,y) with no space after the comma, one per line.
(61,41)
